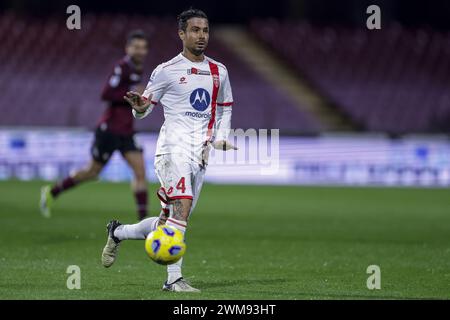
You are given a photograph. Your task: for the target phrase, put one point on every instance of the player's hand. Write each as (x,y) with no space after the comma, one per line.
(205,153)
(223,145)
(219,145)
(138,102)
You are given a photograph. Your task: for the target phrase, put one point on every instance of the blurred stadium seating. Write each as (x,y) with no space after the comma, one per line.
(55,76)
(391,80)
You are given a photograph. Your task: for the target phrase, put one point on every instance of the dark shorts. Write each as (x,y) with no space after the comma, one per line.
(106,143)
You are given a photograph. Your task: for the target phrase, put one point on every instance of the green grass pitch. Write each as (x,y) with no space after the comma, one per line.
(244,242)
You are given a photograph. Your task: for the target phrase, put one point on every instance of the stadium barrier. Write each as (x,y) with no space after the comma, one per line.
(359,160)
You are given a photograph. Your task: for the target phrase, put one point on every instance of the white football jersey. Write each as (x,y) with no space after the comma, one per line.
(197,101)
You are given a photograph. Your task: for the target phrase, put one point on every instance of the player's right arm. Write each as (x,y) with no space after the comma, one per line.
(143,104)
(140,104)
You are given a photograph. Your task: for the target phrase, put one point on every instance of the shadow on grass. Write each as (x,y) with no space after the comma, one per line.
(300,295)
(240,282)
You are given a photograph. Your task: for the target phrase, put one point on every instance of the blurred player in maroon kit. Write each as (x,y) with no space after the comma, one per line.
(114,131)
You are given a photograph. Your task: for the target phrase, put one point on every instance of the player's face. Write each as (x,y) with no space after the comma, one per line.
(196,36)
(137,50)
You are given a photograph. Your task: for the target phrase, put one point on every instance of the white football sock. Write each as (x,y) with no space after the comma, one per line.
(177,224)
(136,231)
(174,270)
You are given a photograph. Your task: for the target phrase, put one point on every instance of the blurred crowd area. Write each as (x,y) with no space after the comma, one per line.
(393,80)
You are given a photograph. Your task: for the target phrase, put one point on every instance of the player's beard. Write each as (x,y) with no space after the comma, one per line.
(197,52)
(138,62)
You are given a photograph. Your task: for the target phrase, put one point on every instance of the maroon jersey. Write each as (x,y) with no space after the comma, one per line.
(118,118)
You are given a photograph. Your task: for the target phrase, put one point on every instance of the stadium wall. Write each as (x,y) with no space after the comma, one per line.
(345,159)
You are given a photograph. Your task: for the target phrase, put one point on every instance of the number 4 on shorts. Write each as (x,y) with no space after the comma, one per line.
(181,185)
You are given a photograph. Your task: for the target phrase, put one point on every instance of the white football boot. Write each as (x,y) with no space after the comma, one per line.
(179,285)
(111,248)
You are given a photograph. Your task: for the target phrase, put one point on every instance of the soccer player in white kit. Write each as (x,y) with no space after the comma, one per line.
(195,93)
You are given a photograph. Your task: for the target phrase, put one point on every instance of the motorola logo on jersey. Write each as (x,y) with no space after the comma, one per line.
(200,99)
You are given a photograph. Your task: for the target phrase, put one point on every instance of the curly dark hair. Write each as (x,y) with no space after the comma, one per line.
(188,14)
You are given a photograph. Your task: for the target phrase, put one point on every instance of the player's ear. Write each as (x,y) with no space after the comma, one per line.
(128,48)
(181,34)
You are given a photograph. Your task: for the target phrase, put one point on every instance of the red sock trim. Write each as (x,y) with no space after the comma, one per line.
(176,222)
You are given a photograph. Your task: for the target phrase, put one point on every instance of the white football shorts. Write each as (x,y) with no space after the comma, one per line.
(180,177)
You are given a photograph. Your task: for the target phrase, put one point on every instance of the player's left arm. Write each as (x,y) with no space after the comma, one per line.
(223,115)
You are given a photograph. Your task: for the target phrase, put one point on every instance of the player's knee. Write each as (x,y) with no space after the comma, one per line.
(93,172)
(140,181)
(139,176)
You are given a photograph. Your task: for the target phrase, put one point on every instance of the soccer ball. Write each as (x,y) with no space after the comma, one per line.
(165,245)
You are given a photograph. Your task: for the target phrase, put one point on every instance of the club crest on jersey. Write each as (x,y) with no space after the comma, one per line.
(216,80)
(200,99)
